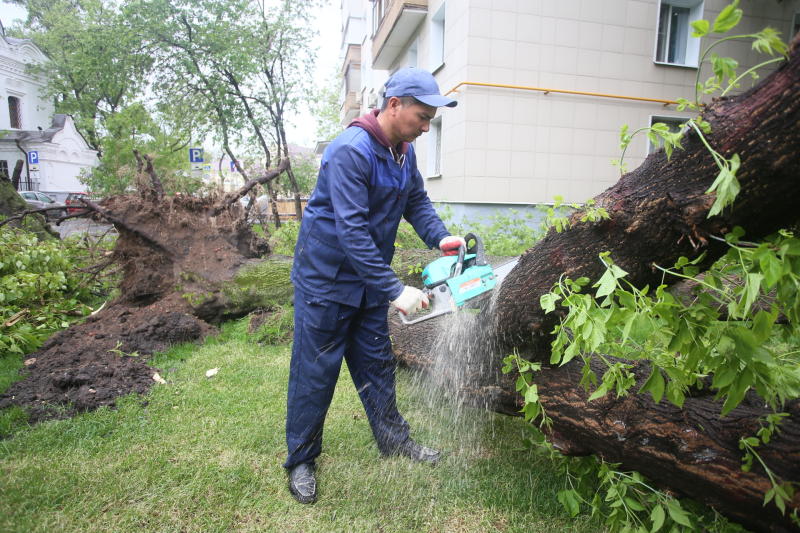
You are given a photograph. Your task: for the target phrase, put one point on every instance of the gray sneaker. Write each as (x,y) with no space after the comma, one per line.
(302,483)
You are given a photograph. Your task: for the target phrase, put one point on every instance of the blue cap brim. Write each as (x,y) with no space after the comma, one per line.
(436,100)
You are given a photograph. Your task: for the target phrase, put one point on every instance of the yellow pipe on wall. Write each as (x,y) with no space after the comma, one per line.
(562,91)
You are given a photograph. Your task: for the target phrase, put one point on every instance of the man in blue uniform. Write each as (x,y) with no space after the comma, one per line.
(368,180)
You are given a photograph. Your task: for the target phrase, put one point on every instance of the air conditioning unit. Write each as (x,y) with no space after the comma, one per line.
(372,100)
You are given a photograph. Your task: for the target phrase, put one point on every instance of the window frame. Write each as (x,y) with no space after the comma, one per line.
(692,50)
(412,54)
(434,156)
(436,38)
(14,113)
(794,29)
(668,120)
(378,12)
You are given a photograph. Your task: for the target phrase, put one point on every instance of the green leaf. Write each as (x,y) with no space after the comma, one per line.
(568,498)
(701,28)
(633,504)
(677,513)
(548,301)
(737,390)
(657,516)
(617,272)
(606,285)
(769,42)
(571,351)
(752,290)
(654,385)
(723,67)
(532,394)
(728,18)
(599,393)
(725,376)
(762,324)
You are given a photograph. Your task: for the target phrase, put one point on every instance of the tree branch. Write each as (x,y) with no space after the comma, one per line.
(230,198)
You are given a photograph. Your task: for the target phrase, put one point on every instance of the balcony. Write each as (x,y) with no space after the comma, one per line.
(400,20)
(350,107)
(352,58)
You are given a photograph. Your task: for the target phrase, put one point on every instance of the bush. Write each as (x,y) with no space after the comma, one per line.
(42,288)
(283,239)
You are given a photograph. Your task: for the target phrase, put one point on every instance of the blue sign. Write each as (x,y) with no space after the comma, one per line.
(233,166)
(195,155)
(33,157)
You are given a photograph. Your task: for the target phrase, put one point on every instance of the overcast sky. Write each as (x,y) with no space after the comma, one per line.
(302,129)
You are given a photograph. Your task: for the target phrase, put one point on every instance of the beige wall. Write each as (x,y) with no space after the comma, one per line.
(514,146)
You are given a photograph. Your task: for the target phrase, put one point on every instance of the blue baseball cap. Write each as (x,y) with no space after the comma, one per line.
(418,83)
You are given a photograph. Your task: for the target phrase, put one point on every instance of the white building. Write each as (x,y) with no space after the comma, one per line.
(27,124)
(514,138)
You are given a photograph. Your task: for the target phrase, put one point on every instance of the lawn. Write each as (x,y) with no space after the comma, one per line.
(204,454)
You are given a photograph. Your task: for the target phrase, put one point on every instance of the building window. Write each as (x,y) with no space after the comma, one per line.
(15,112)
(378,11)
(411,57)
(674,42)
(795,25)
(437,39)
(673,123)
(4,169)
(435,148)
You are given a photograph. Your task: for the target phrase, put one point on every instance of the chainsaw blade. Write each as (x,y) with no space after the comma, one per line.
(502,270)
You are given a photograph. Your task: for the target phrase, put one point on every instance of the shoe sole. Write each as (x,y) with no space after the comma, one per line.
(300,498)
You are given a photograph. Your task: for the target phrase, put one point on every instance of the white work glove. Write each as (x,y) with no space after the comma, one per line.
(450,244)
(410,300)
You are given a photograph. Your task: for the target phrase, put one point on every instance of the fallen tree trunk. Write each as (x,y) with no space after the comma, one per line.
(657,214)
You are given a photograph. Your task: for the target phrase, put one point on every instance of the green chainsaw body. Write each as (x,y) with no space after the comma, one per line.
(473,281)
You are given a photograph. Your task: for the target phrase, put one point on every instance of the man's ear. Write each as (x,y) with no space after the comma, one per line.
(394,103)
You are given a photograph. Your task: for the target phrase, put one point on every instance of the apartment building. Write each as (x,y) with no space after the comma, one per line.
(538,83)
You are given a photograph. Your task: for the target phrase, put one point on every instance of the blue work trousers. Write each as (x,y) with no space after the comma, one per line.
(324,333)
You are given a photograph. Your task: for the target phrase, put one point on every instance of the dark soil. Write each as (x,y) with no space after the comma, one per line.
(176,248)
(89,365)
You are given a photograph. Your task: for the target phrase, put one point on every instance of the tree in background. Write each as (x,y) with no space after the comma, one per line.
(240,63)
(99,72)
(151,75)
(326,106)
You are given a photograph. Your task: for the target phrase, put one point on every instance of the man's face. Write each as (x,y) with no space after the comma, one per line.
(412,120)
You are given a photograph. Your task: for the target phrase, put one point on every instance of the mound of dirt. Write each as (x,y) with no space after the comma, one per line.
(91,364)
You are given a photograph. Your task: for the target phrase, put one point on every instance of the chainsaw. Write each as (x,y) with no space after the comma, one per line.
(457,281)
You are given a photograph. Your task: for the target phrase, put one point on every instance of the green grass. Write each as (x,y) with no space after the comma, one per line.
(205,454)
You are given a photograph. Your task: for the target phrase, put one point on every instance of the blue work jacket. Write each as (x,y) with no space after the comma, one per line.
(346,240)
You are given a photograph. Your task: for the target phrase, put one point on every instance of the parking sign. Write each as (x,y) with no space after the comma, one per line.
(196,158)
(33,160)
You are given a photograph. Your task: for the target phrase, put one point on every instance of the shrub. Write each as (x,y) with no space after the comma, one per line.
(283,239)
(42,288)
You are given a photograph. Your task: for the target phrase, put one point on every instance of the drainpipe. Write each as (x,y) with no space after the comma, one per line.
(27,167)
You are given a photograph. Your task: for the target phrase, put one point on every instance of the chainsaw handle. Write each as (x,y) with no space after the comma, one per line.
(459,266)
(476,248)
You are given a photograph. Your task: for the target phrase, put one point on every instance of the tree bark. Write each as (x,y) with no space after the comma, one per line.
(16,177)
(658,213)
